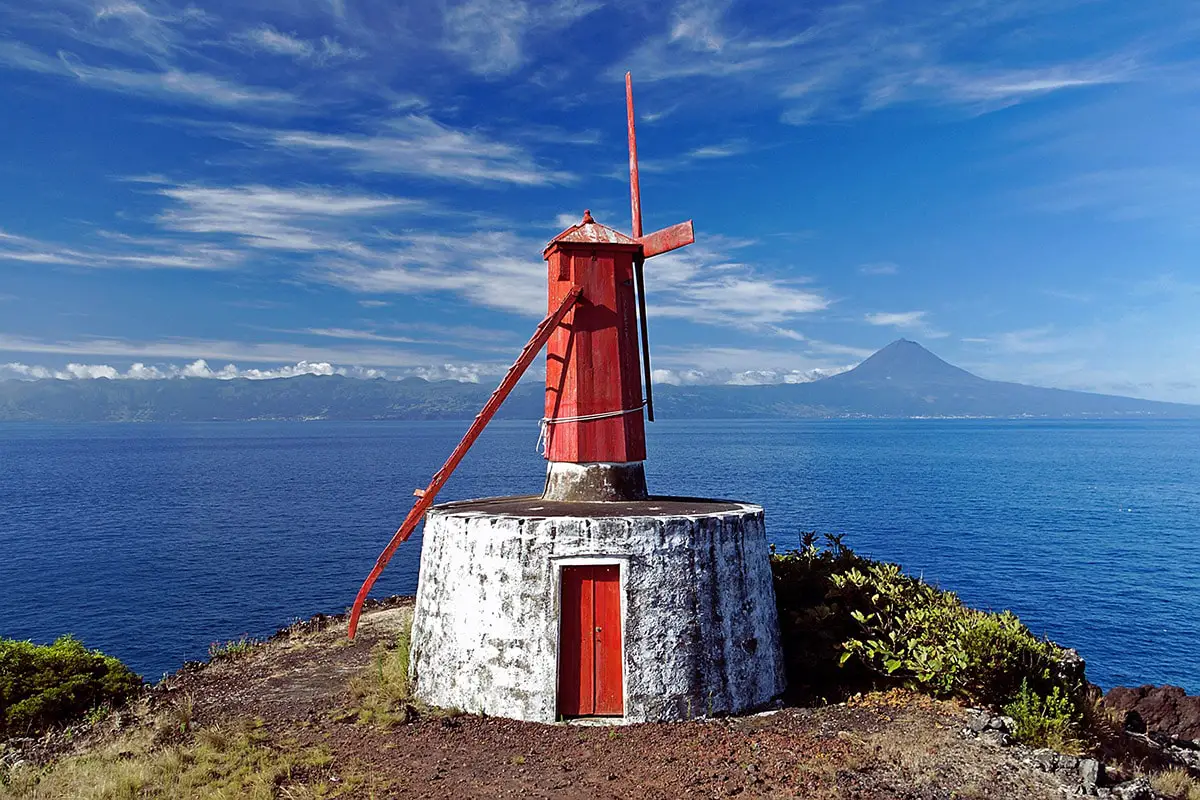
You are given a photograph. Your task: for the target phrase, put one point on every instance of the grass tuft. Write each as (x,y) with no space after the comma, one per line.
(1176,784)
(233,649)
(382,695)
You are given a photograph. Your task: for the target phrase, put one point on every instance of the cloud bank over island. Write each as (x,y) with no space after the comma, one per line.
(469,373)
(197,369)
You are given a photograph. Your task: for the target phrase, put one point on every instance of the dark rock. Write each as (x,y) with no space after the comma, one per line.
(1137,789)
(978,721)
(1165,709)
(996,737)
(1046,760)
(997,724)
(1134,722)
(1071,667)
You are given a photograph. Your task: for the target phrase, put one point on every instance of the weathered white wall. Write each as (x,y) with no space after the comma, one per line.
(700,630)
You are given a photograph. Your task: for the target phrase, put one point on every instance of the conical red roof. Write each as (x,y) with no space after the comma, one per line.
(588,231)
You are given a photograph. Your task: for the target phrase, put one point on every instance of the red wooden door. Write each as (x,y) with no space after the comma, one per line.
(589,671)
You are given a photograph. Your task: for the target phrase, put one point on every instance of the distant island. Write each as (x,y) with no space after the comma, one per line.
(903,380)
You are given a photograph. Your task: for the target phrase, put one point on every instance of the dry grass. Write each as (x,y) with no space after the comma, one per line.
(1176,784)
(824,769)
(916,753)
(382,695)
(214,763)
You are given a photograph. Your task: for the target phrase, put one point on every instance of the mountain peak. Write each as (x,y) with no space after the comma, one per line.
(905,361)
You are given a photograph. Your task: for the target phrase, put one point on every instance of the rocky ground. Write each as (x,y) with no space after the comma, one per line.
(302,692)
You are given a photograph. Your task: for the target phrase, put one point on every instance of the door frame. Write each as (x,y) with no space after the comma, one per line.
(556,571)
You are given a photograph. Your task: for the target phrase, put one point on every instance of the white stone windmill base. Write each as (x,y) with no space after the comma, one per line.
(699,633)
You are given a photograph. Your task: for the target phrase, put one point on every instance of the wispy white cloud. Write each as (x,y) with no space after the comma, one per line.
(179,85)
(169,83)
(459,338)
(879,268)
(22,56)
(503,270)
(696,43)
(133,22)
(749,366)
(1041,340)
(151,29)
(565,220)
(703,284)
(724,150)
(489,36)
(270,217)
(694,158)
(495,269)
(900,319)
(915,321)
(416,145)
(119,253)
(1169,192)
(359,335)
(652,117)
(323,51)
(850,58)
(148,49)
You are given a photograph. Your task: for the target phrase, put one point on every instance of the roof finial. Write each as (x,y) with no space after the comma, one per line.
(587,217)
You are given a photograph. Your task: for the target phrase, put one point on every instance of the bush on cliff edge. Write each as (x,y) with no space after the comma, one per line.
(850,624)
(46,685)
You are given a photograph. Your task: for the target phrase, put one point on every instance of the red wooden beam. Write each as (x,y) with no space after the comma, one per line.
(425,498)
(635,193)
(668,239)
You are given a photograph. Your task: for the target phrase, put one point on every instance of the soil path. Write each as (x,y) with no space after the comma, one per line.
(883,747)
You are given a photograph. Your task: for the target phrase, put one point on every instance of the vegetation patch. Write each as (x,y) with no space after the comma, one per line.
(233,649)
(1176,784)
(213,763)
(850,624)
(382,695)
(42,686)
(1050,720)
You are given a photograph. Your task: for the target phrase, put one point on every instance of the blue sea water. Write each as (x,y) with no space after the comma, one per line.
(150,541)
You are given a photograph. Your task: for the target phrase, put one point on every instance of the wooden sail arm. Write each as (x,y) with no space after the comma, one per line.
(426,496)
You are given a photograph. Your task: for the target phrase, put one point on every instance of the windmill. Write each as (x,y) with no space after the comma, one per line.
(570,409)
(593,598)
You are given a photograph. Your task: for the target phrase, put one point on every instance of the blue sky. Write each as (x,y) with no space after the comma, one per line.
(366,185)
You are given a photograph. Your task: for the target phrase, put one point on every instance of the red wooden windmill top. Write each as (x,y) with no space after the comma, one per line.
(593,426)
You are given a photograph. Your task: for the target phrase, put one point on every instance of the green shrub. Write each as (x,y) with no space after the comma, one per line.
(851,624)
(233,649)
(46,685)
(815,621)
(1046,720)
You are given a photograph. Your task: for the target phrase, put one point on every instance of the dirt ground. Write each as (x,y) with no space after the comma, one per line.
(896,746)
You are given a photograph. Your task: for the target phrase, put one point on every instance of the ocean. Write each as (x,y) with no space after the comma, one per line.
(150,541)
